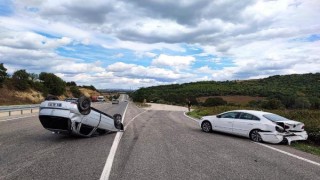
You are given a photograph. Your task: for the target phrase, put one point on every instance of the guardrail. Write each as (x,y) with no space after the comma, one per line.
(16,108)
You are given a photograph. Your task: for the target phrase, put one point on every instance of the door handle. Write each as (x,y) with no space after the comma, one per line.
(250,124)
(229,122)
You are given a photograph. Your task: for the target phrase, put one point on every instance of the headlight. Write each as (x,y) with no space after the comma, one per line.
(279,129)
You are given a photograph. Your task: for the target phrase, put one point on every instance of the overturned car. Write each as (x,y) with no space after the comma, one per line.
(77,118)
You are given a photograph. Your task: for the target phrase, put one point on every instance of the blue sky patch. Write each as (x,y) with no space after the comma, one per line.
(6,8)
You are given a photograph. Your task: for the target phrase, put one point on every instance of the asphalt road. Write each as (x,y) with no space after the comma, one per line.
(155,145)
(168,145)
(28,151)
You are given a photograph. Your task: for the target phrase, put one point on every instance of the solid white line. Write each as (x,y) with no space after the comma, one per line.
(16,118)
(107,167)
(190,117)
(289,154)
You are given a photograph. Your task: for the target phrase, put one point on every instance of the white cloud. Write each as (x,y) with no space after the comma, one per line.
(136,71)
(177,62)
(260,38)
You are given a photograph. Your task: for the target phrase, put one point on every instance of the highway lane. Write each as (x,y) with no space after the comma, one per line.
(168,145)
(28,151)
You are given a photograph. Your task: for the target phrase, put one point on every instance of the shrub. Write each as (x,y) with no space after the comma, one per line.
(216,101)
(21,80)
(3,74)
(75,91)
(54,84)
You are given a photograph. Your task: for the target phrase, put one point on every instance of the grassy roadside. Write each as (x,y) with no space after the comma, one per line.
(311,119)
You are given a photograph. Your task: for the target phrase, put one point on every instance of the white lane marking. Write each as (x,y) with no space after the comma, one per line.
(107,167)
(124,113)
(16,118)
(289,154)
(184,113)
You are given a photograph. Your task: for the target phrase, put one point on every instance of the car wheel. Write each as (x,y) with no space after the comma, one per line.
(255,136)
(206,126)
(84,105)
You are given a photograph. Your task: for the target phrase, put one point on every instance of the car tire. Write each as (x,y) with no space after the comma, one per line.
(117,121)
(255,136)
(84,105)
(206,126)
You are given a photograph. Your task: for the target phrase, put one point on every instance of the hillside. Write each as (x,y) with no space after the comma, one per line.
(286,88)
(14,97)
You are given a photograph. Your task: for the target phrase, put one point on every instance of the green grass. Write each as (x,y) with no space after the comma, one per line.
(307,147)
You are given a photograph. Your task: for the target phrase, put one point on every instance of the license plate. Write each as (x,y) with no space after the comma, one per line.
(54,104)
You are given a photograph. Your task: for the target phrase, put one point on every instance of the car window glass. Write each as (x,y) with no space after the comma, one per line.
(229,115)
(248,116)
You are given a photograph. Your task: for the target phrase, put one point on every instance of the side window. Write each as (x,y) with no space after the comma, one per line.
(230,115)
(248,117)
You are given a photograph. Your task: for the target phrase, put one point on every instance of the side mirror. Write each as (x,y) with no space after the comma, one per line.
(84,105)
(117,121)
(218,116)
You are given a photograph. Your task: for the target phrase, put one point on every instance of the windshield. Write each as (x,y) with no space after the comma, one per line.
(275,118)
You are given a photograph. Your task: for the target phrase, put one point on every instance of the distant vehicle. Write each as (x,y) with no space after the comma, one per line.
(73,100)
(77,118)
(101,99)
(94,98)
(115,101)
(259,126)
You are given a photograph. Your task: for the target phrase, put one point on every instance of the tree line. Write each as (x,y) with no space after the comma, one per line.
(286,91)
(47,83)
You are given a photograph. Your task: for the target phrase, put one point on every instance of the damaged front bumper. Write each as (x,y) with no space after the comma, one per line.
(276,137)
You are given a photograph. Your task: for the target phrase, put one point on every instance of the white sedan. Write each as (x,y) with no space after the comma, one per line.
(259,126)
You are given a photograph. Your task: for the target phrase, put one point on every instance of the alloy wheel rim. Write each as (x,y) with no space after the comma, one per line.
(206,127)
(255,136)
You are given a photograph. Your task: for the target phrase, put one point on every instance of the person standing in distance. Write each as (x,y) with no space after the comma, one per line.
(189,105)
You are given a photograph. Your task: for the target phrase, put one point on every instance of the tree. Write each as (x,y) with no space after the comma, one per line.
(33,76)
(3,74)
(54,84)
(72,83)
(216,101)
(302,103)
(272,104)
(21,79)
(75,91)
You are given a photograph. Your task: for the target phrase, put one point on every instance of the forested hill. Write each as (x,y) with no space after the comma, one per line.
(284,88)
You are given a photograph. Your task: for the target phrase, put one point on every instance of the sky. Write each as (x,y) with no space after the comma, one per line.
(131,44)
